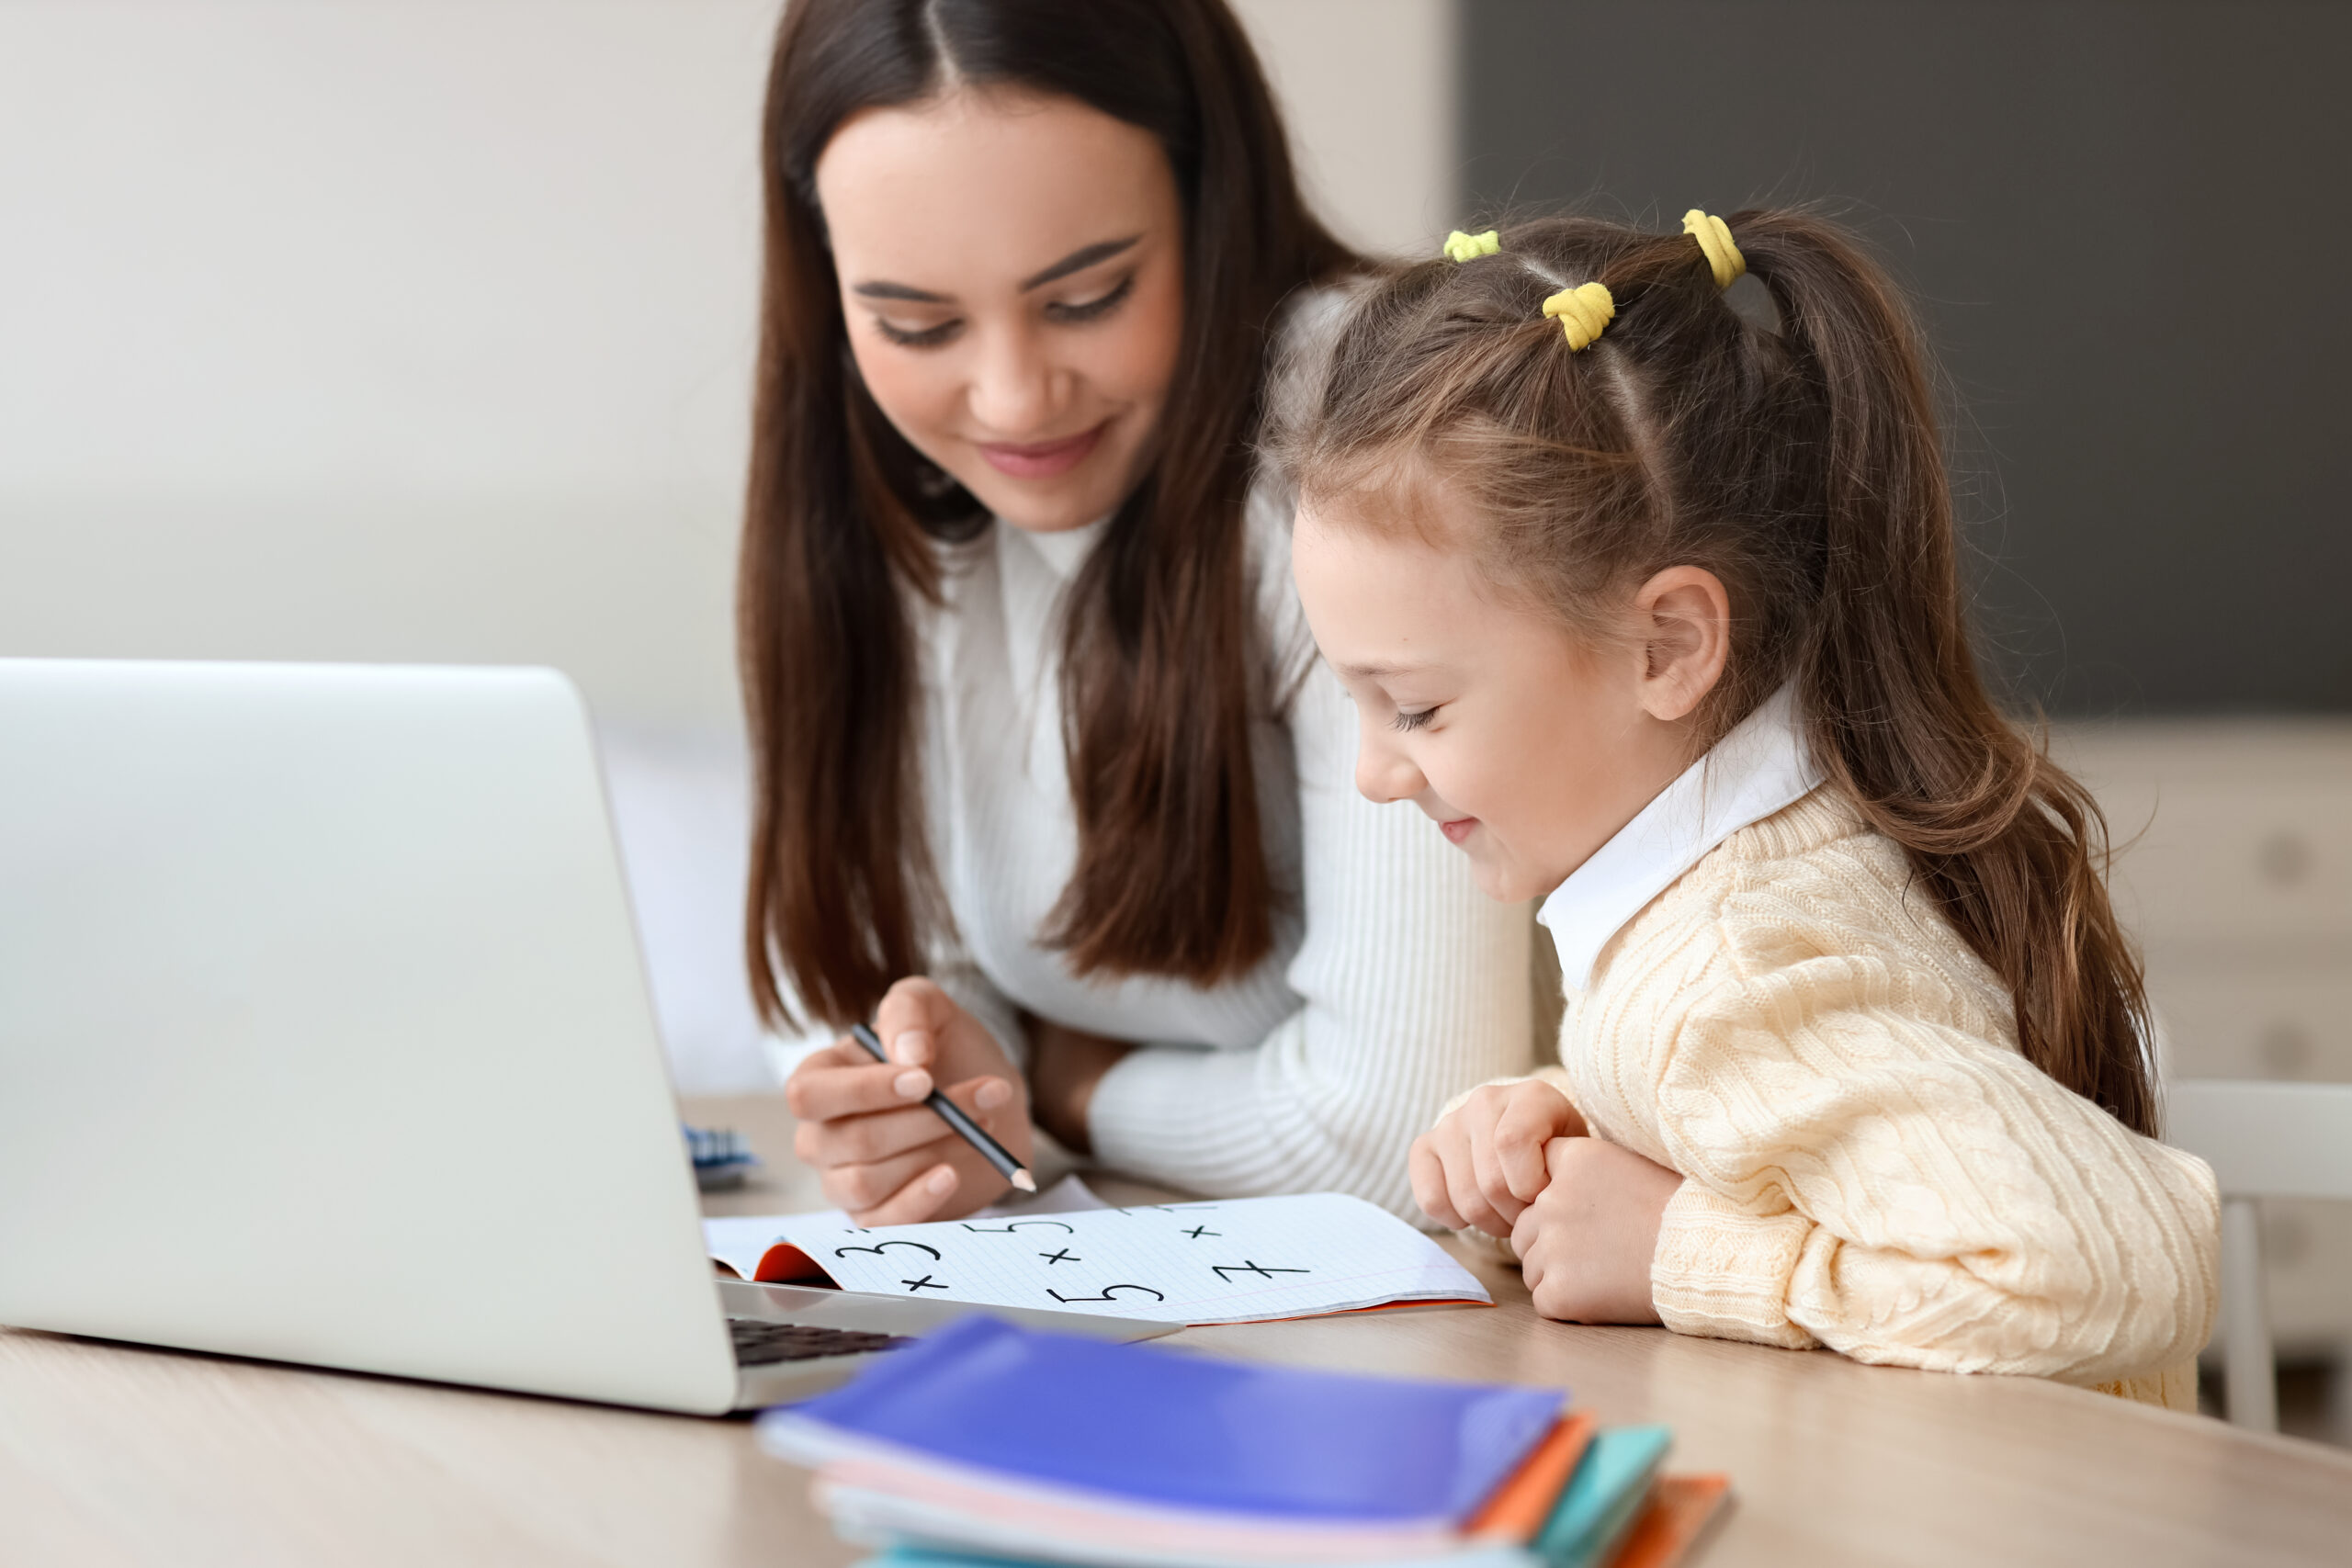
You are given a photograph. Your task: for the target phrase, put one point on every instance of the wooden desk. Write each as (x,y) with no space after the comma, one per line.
(111,1455)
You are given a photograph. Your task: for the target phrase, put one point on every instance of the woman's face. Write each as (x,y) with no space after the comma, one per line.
(1012,274)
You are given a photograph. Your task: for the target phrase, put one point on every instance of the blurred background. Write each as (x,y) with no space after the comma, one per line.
(421,330)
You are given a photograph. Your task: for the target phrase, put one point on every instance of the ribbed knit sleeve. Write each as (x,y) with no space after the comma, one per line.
(1868,1160)
(1414,987)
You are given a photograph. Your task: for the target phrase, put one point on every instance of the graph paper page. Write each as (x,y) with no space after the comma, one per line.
(1234,1260)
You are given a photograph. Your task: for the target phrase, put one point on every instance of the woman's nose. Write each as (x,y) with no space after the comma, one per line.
(1384,773)
(1013,388)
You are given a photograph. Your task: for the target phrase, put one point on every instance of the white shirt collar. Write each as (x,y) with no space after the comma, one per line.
(1064,550)
(1761,766)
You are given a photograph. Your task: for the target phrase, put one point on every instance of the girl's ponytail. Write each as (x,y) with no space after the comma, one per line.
(2012,849)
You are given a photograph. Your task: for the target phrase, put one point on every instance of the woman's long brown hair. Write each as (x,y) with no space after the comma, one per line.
(1161,663)
(1801,465)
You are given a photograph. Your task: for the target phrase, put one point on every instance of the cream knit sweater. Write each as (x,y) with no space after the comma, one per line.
(1869,1162)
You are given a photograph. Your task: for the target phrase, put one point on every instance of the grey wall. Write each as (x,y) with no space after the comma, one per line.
(2130,226)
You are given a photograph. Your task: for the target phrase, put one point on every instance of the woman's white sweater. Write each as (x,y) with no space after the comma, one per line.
(1392,985)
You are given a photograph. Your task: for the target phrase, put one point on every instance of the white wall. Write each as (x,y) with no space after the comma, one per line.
(422,330)
(368,330)
(1369,89)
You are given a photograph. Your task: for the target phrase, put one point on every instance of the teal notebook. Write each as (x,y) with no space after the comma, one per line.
(1602,1498)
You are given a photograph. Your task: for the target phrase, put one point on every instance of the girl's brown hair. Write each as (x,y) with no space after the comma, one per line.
(1800,465)
(844,522)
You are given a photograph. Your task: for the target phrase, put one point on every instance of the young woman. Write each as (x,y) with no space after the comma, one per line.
(1049,781)
(1657,611)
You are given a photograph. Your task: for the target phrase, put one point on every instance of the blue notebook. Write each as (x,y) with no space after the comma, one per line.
(918,1557)
(1174,1429)
(1601,1498)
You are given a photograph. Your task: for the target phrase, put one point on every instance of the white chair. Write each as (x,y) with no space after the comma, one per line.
(2263,1140)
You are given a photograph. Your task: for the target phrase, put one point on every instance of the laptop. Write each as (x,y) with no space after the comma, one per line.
(324,1038)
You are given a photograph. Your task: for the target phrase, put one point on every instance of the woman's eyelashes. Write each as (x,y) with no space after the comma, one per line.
(1069,313)
(1095,309)
(917,337)
(1413,720)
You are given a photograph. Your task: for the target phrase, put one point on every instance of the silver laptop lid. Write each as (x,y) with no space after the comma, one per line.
(323,1035)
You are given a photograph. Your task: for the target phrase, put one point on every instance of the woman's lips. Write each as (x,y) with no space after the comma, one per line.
(1459,828)
(1041,459)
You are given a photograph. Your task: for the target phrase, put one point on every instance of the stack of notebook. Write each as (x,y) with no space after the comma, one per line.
(988,1444)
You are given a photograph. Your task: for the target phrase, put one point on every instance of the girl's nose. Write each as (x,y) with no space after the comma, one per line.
(1013,391)
(1384,773)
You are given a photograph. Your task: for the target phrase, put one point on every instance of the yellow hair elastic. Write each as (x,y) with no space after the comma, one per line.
(1715,238)
(1464,247)
(1583,311)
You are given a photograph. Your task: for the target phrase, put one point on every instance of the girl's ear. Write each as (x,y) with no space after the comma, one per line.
(1684,617)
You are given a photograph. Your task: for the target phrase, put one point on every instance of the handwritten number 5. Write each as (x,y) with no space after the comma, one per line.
(1109,1292)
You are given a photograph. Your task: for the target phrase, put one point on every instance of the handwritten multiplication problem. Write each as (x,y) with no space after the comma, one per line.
(1234,1261)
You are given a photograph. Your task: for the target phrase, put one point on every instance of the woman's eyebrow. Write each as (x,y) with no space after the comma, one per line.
(1078,261)
(897,291)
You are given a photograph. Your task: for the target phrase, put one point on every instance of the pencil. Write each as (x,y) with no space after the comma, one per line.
(996,1153)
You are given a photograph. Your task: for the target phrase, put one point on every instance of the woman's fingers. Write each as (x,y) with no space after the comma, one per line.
(913,1014)
(902,1167)
(865,1189)
(921,1199)
(822,1089)
(862,1140)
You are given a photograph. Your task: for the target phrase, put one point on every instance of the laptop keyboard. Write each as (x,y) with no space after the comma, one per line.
(759,1342)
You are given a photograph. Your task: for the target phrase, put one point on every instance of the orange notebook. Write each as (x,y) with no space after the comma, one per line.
(1679,1512)
(1520,1507)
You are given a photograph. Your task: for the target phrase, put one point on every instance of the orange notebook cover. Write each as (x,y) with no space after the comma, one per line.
(1680,1509)
(1520,1505)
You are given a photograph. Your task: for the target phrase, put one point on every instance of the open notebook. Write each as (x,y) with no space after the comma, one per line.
(1231,1260)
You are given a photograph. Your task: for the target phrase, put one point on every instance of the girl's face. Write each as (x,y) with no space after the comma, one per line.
(1529,746)
(1011,274)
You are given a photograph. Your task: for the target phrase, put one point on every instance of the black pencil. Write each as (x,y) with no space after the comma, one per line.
(971,1132)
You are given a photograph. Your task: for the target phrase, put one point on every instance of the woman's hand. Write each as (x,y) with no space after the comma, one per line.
(884,1156)
(1483,1164)
(1586,1243)
(1065,1064)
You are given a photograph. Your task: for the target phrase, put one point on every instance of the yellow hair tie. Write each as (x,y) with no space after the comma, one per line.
(1583,311)
(1715,238)
(1464,247)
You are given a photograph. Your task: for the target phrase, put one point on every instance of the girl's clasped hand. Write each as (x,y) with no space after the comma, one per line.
(1582,1215)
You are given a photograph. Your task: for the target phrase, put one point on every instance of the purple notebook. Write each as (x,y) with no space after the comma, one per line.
(1173,1429)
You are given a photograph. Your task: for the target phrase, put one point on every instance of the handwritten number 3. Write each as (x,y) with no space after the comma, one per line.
(1109,1291)
(877,1249)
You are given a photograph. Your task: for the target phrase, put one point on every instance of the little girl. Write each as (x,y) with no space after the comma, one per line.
(1655,611)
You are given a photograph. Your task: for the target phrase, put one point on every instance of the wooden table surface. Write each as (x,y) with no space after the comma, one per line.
(117,1455)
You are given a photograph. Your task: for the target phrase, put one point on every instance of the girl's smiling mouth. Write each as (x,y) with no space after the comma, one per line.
(1041,459)
(1458,828)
